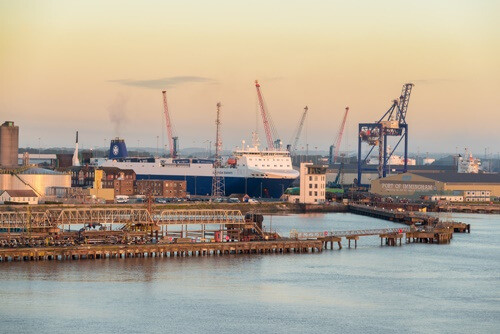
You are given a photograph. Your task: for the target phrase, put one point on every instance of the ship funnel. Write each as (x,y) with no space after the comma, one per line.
(117,149)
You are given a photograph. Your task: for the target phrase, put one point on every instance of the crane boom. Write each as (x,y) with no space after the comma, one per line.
(339,136)
(404,99)
(299,130)
(169,126)
(271,133)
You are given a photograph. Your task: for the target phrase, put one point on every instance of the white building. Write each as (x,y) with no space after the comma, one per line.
(19,196)
(312,183)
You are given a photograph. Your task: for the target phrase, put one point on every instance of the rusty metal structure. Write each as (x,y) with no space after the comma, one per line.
(120,225)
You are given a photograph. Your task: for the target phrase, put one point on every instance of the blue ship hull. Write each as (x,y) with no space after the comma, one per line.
(253,187)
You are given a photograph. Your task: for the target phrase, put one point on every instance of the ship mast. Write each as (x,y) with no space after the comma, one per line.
(218,181)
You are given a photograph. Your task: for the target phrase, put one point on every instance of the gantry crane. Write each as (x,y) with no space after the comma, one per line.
(273,141)
(392,123)
(172,140)
(297,132)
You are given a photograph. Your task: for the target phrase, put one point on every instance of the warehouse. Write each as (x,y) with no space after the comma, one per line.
(474,187)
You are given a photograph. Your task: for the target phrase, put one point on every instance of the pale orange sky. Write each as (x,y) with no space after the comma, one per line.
(76,65)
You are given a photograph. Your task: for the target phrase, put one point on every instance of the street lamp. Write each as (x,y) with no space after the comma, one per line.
(157,137)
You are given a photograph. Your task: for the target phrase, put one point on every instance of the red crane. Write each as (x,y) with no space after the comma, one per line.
(338,140)
(271,134)
(173,153)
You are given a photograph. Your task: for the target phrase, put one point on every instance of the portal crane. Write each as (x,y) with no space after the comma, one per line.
(171,139)
(338,140)
(298,131)
(392,123)
(272,138)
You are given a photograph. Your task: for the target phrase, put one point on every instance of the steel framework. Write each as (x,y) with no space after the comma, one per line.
(391,124)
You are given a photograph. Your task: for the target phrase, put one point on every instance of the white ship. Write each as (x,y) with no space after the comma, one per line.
(249,171)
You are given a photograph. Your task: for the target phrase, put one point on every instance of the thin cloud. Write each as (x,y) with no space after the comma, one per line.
(433,81)
(163,83)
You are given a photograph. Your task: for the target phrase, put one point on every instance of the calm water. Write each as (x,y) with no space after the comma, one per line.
(414,288)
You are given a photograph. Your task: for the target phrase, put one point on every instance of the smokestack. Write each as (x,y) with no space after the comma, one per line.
(75,160)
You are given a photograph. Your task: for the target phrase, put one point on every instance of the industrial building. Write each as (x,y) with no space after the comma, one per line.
(473,187)
(9,144)
(33,178)
(162,188)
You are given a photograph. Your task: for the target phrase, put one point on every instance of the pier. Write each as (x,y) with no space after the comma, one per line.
(397,216)
(88,233)
(96,252)
(388,236)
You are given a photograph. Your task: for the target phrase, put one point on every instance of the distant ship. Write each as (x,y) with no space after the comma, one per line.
(265,174)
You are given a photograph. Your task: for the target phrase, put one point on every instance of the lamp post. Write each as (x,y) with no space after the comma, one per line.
(157,137)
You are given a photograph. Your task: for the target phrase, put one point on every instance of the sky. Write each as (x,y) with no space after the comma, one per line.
(98,67)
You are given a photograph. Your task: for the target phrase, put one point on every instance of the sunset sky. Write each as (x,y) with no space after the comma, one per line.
(99,67)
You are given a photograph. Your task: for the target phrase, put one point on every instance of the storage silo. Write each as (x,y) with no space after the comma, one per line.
(9,144)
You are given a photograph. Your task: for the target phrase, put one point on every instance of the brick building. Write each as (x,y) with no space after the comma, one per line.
(162,188)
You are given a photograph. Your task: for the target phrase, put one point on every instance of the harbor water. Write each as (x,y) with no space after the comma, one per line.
(415,288)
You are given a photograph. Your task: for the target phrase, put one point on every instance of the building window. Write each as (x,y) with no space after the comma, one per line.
(310,193)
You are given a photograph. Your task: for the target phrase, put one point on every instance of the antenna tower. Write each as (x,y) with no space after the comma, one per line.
(218,187)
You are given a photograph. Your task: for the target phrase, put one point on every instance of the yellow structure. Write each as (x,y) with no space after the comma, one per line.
(97,191)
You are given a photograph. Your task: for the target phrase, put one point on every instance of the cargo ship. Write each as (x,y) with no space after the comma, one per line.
(250,171)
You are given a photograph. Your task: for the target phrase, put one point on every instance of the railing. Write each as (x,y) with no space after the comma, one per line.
(312,235)
(199,217)
(24,220)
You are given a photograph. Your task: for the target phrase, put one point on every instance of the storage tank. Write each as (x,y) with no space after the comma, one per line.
(9,144)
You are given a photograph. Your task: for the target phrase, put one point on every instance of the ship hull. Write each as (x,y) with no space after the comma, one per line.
(253,187)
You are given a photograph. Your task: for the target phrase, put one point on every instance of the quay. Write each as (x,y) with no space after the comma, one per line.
(159,250)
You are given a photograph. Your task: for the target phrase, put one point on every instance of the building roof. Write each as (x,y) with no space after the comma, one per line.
(21,193)
(116,170)
(40,171)
(454,177)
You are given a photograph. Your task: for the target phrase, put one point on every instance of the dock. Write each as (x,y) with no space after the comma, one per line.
(388,236)
(95,252)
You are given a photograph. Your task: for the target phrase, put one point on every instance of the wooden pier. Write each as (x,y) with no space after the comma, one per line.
(159,250)
(388,236)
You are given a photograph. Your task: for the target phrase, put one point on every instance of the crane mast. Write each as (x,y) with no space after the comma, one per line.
(339,136)
(218,184)
(171,138)
(271,135)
